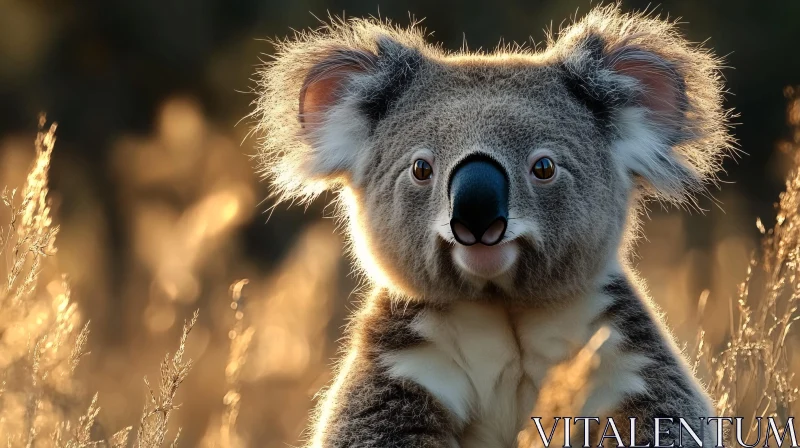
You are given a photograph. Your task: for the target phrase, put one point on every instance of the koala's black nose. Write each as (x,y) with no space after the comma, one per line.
(478,191)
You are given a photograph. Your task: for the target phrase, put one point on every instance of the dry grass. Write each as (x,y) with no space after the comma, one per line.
(752,374)
(225,435)
(565,390)
(42,339)
(174,370)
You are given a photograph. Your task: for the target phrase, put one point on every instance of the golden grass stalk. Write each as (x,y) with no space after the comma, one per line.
(41,336)
(174,370)
(240,337)
(225,435)
(565,389)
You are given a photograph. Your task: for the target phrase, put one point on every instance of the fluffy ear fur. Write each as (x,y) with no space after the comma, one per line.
(323,94)
(661,94)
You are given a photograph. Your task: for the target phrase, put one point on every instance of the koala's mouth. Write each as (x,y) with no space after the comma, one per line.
(486,262)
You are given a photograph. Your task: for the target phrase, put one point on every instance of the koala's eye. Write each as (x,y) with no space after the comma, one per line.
(422,170)
(544,168)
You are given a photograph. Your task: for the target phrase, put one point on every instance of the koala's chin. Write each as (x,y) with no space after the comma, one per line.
(486,262)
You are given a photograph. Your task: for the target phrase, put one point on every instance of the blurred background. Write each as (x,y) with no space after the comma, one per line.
(160,211)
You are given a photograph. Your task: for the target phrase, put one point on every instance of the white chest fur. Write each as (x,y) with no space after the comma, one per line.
(486,364)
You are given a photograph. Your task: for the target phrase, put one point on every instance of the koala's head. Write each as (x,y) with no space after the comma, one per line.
(508,175)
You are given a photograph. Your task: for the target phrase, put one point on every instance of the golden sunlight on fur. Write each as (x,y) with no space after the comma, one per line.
(262,350)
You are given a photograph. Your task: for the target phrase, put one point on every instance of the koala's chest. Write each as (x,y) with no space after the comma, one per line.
(486,364)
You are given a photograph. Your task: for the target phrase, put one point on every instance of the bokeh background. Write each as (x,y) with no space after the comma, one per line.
(160,210)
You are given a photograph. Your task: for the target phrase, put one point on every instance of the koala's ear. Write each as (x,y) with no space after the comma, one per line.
(660,95)
(322,96)
(325,85)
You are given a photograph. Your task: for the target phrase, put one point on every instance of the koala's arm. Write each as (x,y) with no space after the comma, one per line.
(372,410)
(366,407)
(672,392)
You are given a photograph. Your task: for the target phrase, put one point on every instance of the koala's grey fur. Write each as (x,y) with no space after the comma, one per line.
(627,108)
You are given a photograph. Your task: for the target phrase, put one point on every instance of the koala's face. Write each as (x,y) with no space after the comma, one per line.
(505,177)
(490,178)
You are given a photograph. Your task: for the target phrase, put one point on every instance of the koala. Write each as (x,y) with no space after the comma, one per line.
(490,201)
